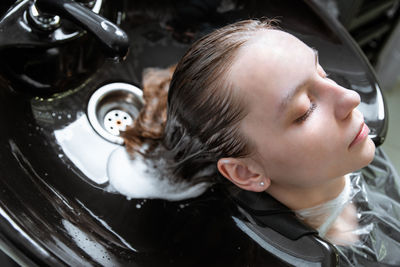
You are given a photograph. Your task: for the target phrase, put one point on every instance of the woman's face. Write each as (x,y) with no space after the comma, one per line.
(304,126)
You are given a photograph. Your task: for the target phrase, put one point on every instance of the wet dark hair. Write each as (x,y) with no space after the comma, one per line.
(204,107)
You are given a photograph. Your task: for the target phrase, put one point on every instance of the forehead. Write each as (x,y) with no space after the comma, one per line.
(269,53)
(272,63)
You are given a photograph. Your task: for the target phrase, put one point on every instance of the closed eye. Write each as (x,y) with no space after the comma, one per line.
(304,117)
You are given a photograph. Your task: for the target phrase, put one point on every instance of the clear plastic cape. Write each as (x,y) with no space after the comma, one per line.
(375,193)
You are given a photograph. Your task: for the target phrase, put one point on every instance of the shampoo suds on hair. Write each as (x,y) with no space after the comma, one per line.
(137,178)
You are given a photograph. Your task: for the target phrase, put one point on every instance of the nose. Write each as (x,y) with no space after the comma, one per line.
(347,101)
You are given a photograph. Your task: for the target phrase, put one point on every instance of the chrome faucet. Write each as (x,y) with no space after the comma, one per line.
(52,27)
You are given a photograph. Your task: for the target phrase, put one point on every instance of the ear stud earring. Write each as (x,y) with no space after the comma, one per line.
(262,183)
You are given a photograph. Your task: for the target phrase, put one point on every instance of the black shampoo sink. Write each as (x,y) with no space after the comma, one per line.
(55,205)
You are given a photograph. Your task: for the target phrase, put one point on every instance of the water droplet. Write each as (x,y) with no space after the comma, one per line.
(53,114)
(60,155)
(69,116)
(138,206)
(59,117)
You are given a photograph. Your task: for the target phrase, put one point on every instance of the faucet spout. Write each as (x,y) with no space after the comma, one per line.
(114,40)
(42,50)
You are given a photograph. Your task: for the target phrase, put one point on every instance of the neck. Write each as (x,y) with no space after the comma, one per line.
(296,198)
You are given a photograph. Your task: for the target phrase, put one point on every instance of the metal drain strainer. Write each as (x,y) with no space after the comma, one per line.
(112,108)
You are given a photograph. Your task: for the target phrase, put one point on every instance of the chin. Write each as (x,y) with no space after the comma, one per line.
(367,152)
(361,157)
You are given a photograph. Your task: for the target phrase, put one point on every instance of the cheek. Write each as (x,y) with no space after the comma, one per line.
(301,150)
(288,157)
(312,139)
(304,151)
(319,134)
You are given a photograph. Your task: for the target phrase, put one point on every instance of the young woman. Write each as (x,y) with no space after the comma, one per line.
(251,104)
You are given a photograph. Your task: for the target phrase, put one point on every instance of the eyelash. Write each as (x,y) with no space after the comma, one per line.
(307,114)
(311,109)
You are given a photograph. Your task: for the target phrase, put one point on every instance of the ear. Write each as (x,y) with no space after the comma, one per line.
(246,174)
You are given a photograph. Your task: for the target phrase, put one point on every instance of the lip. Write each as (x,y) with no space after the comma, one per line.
(361,135)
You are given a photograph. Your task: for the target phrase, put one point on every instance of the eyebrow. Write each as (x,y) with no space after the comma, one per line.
(292,93)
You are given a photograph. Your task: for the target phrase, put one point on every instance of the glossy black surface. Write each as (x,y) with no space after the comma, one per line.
(114,40)
(53,213)
(43,62)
